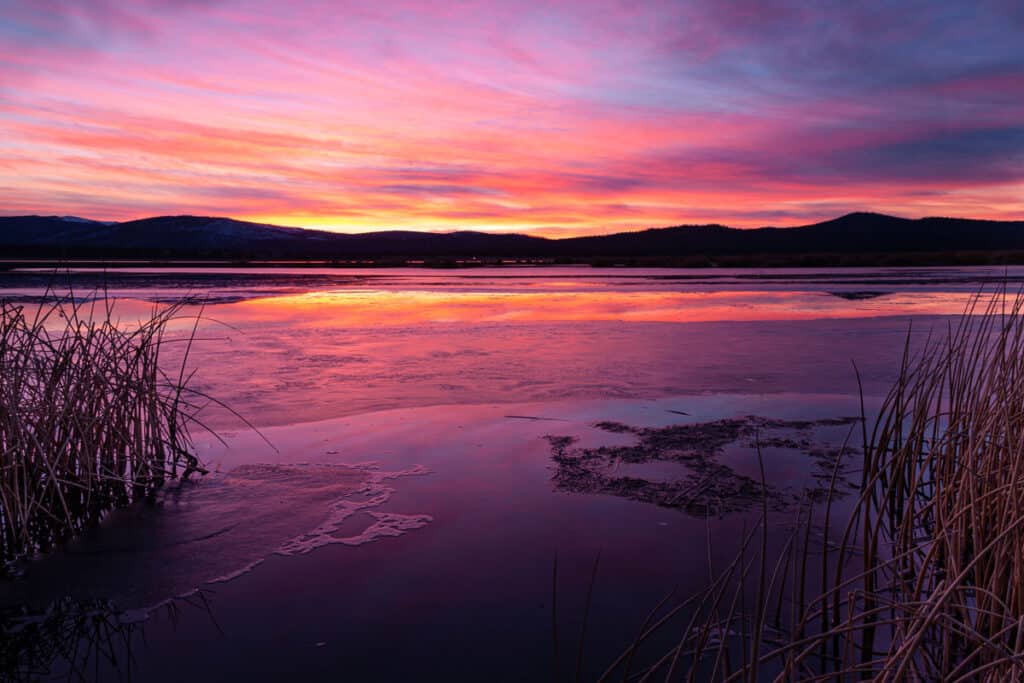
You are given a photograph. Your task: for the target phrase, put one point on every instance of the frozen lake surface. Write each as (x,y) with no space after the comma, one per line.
(425,429)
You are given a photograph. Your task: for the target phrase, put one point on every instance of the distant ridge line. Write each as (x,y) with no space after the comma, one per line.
(206,237)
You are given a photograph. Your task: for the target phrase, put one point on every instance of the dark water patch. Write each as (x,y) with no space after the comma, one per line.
(859,295)
(702,483)
(616,427)
(215,297)
(152,295)
(74,640)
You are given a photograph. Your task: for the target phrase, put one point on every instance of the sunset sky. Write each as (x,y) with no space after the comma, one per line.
(554,118)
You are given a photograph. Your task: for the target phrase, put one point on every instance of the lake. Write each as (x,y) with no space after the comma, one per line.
(402,460)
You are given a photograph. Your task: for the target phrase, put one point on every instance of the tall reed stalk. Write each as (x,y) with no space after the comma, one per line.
(921,578)
(89,420)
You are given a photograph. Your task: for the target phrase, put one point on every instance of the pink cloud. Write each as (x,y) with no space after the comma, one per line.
(492,115)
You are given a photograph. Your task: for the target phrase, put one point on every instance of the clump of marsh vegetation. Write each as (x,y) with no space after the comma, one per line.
(89,419)
(918,577)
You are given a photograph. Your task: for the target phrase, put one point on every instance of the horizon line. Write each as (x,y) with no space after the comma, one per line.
(71,218)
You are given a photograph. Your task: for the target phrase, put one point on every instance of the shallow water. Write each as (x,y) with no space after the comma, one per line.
(406,519)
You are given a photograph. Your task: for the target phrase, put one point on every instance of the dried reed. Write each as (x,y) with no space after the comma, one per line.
(924,580)
(89,420)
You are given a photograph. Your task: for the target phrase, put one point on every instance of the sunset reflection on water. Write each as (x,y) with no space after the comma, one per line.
(373,308)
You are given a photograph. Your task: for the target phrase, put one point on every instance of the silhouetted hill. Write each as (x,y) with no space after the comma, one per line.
(853,233)
(196,237)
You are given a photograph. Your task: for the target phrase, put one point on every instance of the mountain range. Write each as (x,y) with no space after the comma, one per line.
(197,237)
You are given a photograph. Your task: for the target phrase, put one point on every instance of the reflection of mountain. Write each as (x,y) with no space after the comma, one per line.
(198,237)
